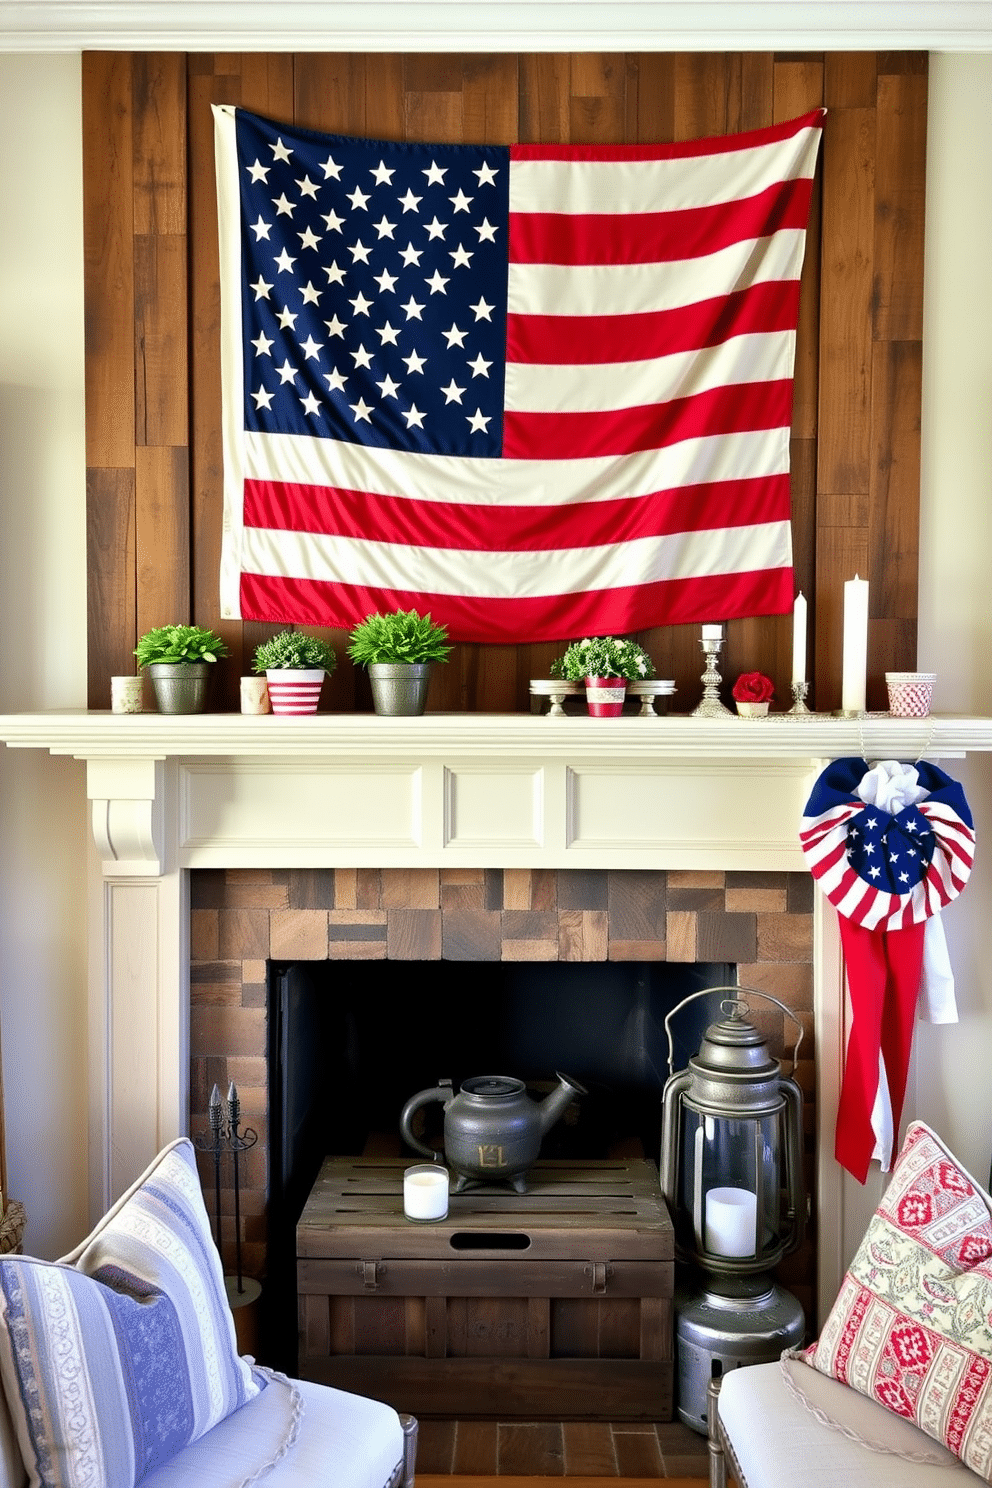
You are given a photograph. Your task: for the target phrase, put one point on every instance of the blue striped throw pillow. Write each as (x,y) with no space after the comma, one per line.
(117,1356)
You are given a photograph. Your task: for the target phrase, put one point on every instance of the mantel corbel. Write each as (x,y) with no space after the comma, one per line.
(127,815)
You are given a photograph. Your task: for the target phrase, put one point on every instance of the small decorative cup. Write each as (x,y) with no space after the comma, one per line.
(425,1192)
(910,693)
(125,694)
(752,710)
(254,695)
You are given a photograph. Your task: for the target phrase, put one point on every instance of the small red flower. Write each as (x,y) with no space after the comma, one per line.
(753,687)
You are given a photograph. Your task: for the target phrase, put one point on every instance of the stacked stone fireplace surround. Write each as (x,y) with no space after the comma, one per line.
(241,919)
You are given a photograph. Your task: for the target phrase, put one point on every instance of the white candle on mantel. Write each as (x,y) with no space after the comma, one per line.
(855,668)
(712,632)
(799,639)
(731,1221)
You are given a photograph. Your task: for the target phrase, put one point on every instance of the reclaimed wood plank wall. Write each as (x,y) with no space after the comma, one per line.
(152,318)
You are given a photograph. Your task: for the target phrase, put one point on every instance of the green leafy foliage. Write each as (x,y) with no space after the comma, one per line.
(292,649)
(178,644)
(401,636)
(603,656)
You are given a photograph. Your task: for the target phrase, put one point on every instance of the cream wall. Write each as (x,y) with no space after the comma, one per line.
(43,831)
(42,644)
(954,1064)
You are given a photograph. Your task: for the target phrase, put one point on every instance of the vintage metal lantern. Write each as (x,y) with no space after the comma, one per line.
(731,1171)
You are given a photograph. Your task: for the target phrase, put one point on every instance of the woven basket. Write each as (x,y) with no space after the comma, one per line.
(12,1228)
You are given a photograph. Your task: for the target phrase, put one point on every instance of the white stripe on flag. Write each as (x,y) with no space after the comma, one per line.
(658,185)
(516,575)
(471,482)
(634,289)
(535,388)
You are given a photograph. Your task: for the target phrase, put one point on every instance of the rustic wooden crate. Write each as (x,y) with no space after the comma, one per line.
(553,1303)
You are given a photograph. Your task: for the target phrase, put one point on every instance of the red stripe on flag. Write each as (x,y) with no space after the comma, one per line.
(548,618)
(656,237)
(623,431)
(563,341)
(681,150)
(369,516)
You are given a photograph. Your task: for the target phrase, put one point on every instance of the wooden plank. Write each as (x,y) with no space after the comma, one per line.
(435,1328)
(529,1389)
(162,537)
(161,394)
(598,107)
(849,79)
(655,97)
(655,1328)
(110,568)
(845,302)
(158,82)
(538,1327)
(543,103)
(426,1276)
(108,231)
(489,99)
(893,529)
(900,196)
(331,91)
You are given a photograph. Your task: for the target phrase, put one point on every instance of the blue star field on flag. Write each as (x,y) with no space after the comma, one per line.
(374,289)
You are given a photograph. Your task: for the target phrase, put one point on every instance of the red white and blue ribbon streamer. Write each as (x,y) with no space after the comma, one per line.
(890,846)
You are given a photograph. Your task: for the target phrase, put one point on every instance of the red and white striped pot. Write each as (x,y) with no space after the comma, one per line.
(605,696)
(293,691)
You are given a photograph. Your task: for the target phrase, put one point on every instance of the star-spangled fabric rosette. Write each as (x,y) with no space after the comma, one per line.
(541,391)
(890,845)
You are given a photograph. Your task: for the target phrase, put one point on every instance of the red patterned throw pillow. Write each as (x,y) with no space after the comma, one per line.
(912,1324)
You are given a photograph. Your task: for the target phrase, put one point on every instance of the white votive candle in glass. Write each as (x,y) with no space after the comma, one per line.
(425,1192)
(731,1221)
(799,640)
(712,632)
(855,665)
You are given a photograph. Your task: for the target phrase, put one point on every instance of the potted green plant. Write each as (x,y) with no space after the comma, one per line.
(606,664)
(399,649)
(295,665)
(178,658)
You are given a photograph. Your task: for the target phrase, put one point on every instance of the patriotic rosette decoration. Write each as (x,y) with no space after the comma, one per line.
(889,845)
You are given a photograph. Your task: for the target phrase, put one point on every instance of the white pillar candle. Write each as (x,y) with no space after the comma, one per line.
(799,639)
(731,1221)
(425,1192)
(712,632)
(855,645)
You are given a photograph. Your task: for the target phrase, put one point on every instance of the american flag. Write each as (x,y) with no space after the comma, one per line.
(884,870)
(540,391)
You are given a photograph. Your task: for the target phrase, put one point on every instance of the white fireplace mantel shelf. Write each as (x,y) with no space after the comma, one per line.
(499,790)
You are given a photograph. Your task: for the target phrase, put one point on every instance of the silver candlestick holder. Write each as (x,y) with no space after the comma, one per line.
(711,706)
(800,691)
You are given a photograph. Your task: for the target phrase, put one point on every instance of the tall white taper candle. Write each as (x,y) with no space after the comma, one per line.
(799,638)
(855,645)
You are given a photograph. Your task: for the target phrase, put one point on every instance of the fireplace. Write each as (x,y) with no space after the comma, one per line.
(331,929)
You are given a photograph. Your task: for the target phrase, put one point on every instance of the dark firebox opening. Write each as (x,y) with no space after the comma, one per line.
(350,1042)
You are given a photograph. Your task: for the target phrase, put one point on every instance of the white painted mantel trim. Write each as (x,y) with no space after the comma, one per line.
(493,25)
(169,794)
